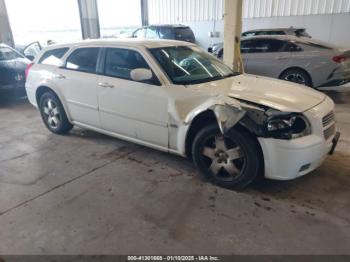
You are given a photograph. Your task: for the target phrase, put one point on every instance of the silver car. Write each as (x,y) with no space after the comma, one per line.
(299,32)
(301,60)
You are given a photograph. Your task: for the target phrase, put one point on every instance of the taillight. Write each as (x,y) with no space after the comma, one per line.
(339,58)
(26,72)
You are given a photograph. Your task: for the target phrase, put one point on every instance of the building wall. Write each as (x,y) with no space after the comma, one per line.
(326,20)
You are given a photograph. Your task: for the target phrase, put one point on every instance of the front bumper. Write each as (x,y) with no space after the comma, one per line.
(287,160)
(290,159)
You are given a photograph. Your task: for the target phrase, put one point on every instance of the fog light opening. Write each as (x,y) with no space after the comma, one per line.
(304,168)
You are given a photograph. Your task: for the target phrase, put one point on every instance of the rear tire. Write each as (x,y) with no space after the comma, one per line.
(297,76)
(53,114)
(232,160)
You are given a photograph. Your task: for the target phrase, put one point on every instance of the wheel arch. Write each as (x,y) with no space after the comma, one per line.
(297,68)
(207,118)
(43,89)
(198,122)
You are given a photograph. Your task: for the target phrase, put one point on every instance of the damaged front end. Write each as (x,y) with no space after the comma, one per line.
(269,123)
(260,120)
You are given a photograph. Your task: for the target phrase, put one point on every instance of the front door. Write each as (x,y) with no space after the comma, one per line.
(137,110)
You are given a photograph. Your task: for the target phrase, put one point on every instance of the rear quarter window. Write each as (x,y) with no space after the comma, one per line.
(53,57)
(183,33)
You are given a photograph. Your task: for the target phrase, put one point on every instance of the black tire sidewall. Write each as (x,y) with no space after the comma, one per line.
(250,149)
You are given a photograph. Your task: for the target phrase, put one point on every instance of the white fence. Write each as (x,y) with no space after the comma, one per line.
(175,11)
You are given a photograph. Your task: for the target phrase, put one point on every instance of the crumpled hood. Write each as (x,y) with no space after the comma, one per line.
(273,93)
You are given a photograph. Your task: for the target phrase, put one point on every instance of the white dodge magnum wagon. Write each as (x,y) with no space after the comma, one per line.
(174,97)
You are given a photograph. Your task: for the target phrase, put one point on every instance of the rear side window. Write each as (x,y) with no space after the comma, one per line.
(263,46)
(120,62)
(53,57)
(184,34)
(256,33)
(83,59)
(151,33)
(292,47)
(271,33)
(166,33)
(8,54)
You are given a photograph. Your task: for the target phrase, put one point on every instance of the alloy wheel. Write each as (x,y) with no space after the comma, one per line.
(296,78)
(52,114)
(223,157)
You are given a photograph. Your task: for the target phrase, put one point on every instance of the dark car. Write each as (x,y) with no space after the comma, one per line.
(12,70)
(172,32)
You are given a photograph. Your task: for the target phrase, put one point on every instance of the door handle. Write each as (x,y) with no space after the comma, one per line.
(106,85)
(60,76)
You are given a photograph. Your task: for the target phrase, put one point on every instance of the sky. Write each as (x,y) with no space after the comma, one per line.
(48,15)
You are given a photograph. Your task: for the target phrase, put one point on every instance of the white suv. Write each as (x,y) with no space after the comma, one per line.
(174,97)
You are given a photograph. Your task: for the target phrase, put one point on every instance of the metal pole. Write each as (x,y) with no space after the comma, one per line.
(89,19)
(144,12)
(5,28)
(232,34)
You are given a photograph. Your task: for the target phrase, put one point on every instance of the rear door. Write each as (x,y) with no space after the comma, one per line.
(78,82)
(266,57)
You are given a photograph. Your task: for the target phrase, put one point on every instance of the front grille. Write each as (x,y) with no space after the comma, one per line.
(328,119)
(329,132)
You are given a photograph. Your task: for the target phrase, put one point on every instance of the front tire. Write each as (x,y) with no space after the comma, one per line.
(232,160)
(53,114)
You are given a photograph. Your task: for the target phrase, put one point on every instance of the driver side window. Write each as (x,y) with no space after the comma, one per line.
(120,62)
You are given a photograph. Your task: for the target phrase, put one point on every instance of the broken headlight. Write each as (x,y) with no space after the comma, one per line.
(288,126)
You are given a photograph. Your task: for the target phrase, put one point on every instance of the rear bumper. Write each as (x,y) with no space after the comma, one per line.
(338,77)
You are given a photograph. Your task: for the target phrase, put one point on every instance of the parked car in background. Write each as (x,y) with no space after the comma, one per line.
(304,61)
(29,51)
(172,32)
(298,32)
(174,97)
(12,70)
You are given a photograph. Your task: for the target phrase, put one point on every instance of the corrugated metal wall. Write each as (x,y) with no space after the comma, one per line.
(174,11)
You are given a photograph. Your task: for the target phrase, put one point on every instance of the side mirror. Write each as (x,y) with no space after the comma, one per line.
(141,74)
(30,57)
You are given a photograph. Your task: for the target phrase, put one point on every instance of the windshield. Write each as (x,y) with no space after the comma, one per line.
(187,65)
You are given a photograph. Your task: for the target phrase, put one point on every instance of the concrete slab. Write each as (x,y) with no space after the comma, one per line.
(90,194)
